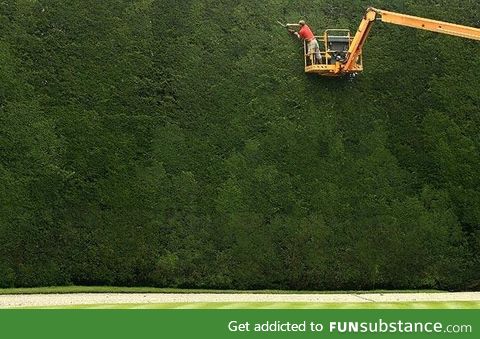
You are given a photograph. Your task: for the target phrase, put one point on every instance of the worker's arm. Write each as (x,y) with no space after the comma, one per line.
(292,31)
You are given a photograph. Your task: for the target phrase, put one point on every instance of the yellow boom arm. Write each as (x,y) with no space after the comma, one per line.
(373,14)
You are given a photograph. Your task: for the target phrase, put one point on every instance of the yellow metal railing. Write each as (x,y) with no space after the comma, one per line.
(325,52)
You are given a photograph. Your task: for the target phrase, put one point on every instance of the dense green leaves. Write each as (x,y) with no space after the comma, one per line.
(179,143)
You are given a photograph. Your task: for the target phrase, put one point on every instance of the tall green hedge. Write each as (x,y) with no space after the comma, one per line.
(179,143)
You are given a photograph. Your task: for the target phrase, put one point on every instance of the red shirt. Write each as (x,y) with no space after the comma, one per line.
(306,33)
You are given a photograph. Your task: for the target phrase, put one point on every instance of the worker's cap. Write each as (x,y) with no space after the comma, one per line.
(301,22)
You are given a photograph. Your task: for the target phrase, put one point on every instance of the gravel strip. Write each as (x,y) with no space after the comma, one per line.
(41,300)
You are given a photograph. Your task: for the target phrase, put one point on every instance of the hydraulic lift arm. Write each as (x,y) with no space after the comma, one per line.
(373,14)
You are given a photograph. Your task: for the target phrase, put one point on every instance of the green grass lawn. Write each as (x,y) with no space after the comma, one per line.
(292,305)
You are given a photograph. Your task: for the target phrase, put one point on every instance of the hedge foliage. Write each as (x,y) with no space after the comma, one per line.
(179,143)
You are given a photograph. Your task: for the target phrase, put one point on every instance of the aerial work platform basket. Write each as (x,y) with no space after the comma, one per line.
(334,46)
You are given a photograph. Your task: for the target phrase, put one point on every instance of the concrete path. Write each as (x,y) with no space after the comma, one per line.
(52,300)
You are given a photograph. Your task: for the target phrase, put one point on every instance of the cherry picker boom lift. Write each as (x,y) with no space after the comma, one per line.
(342,53)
